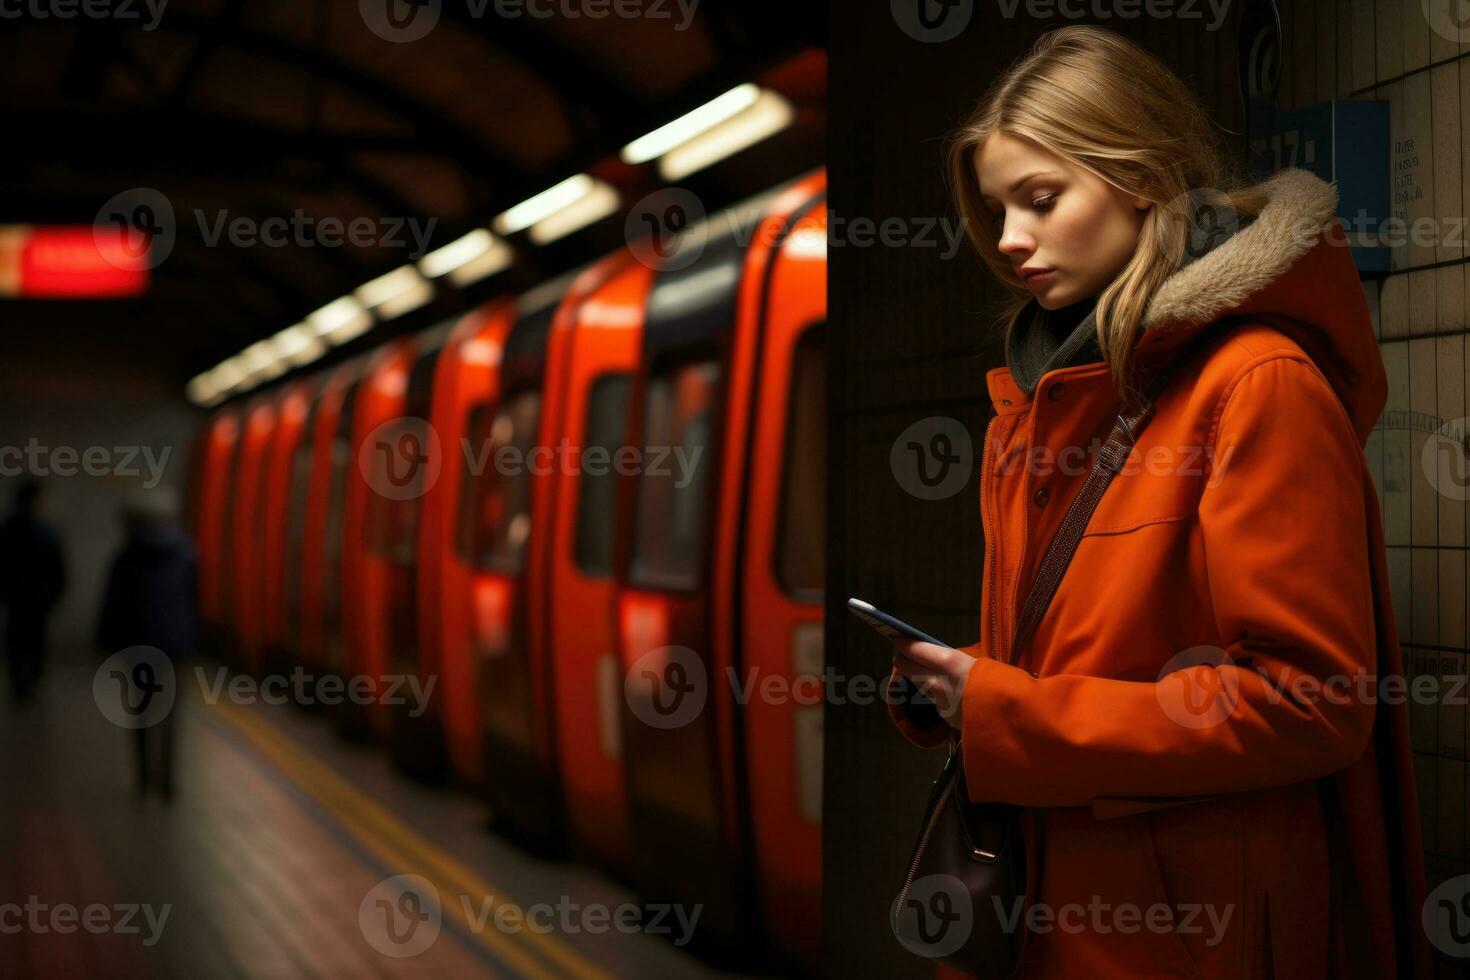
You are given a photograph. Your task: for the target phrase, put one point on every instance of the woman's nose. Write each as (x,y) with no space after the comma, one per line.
(1016,242)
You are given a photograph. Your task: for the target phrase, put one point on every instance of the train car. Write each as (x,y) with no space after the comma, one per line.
(683,531)
(496,521)
(280,551)
(213,509)
(331,456)
(394,538)
(779,574)
(246,551)
(387,461)
(466,382)
(592,354)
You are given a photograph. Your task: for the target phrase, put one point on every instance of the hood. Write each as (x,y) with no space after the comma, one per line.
(1290,267)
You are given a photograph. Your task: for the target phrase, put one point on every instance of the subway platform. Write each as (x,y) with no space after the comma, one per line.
(284,852)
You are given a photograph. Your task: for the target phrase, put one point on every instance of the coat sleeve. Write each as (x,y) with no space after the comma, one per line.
(1286,551)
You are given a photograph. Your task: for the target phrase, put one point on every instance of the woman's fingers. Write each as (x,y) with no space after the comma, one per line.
(931,655)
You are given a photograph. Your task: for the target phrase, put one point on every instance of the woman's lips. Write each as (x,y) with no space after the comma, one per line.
(1039,279)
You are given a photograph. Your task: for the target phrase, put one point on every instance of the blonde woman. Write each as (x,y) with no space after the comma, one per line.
(1212,783)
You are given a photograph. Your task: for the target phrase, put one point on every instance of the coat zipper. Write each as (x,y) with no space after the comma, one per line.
(990,542)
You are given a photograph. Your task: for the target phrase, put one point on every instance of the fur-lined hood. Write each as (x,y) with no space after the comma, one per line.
(1292,267)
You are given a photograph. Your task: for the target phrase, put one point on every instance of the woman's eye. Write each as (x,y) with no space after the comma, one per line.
(1043,204)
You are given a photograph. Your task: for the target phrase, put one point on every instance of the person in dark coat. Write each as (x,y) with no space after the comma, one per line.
(151,601)
(32,579)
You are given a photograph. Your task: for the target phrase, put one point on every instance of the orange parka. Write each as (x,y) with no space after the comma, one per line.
(1198,722)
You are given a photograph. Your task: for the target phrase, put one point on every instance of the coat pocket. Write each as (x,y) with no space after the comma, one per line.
(1167,934)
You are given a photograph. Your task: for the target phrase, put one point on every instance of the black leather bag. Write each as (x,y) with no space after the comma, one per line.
(962,898)
(964,895)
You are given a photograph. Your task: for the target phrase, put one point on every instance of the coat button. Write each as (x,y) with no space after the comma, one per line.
(1056,391)
(1041,496)
(1006,402)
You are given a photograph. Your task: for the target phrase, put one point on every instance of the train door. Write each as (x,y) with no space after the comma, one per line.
(594,347)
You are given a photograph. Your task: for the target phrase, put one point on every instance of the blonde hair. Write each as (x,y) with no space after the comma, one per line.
(1103,103)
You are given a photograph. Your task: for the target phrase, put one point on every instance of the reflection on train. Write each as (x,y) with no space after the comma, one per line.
(588,520)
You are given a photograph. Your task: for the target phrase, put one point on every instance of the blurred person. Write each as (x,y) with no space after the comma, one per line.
(32,579)
(151,601)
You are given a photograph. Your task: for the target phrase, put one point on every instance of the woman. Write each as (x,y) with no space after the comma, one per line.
(1211,784)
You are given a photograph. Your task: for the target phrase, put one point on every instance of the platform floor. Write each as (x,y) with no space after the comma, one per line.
(274,859)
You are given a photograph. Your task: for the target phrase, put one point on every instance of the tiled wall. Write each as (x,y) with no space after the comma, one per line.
(1388,50)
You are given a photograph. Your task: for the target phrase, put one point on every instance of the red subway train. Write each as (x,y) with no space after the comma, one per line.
(588,520)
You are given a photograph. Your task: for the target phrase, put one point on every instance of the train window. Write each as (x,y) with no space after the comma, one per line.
(801,527)
(476,455)
(673,487)
(497,514)
(393,520)
(607,419)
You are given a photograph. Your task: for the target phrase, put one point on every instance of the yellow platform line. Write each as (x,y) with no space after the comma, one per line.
(380,831)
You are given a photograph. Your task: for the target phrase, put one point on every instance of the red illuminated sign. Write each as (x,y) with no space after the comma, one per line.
(72,262)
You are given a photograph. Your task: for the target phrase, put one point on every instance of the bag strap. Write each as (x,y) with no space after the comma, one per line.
(1110,459)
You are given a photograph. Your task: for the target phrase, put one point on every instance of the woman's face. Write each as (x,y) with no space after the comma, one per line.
(1056,216)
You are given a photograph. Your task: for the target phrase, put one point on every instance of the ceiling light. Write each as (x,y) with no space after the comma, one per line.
(396,293)
(545,204)
(601,201)
(691,124)
(340,320)
(765,117)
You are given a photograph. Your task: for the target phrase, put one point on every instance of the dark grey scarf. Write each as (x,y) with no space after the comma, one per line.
(1042,340)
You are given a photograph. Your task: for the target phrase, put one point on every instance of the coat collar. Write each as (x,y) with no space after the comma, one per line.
(1290,266)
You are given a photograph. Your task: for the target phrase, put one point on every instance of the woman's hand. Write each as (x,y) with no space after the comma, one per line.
(939,672)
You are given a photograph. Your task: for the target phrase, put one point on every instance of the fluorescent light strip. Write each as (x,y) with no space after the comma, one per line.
(498,258)
(767,116)
(602,201)
(299,345)
(691,124)
(396,293)
(340,320)
(459,252)
(543,205)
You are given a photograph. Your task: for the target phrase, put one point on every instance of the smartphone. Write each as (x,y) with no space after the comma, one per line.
(887,625)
